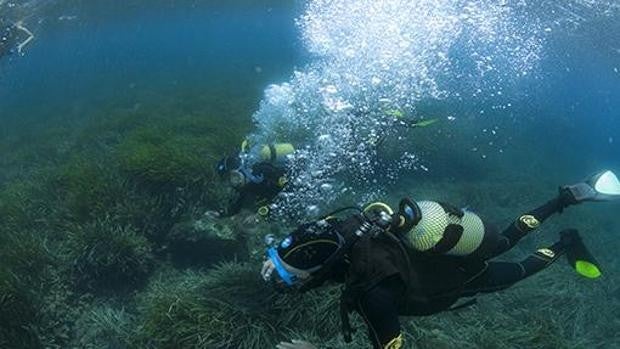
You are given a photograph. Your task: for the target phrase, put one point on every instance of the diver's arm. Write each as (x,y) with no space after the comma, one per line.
(379,309)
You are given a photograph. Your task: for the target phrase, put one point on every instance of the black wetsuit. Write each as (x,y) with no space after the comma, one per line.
(438,281)
(253,195)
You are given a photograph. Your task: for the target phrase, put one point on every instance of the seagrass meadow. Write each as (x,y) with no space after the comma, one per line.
(114,117)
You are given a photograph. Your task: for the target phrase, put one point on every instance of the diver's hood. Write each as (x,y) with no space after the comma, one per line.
(237,179)
(238,172)
(311,248)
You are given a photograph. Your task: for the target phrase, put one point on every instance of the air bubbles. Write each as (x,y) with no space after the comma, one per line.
(331,89)
(324,138)
(317,173)
(326,187)
(370,57)
(312,210)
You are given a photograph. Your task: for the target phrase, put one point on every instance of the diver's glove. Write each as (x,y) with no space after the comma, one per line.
(603,186)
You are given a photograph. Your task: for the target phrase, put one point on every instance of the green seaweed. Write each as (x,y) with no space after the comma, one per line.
(175,153)
(89,187)
(106,256)
(228,307)
(17,313)
(27,272)
(104,326)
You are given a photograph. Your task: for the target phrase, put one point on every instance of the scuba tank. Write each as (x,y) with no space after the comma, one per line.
(439,228)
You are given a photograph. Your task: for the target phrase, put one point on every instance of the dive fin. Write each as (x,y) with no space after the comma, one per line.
(603,186)
(578,255)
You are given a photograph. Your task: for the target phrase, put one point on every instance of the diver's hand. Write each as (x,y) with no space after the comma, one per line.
(267,270)
(296,344)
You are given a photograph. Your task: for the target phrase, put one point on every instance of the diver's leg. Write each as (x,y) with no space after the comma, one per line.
(495,244)
(501,275)
(568,195)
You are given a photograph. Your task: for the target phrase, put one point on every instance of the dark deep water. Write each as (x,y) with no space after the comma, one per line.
(207,64)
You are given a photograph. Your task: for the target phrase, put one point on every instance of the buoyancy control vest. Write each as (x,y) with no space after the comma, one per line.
(432,282)
(435,258)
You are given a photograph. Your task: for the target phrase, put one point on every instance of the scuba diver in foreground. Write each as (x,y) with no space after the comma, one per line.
(423,258)
(256,185)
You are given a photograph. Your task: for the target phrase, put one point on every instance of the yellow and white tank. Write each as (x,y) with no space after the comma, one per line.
(276,152)
(435,223)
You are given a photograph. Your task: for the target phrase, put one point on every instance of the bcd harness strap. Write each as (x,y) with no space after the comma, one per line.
(347,331)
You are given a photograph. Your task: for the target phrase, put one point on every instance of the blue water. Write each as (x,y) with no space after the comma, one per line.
(90,61)
(107,55)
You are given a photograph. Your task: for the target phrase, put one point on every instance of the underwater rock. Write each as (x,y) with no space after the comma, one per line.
(205,241)
(212,228)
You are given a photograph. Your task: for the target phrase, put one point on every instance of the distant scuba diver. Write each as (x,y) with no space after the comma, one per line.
(421,259)
(14,37)
(256,184)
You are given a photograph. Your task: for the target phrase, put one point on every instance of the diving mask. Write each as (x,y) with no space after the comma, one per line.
(288,278)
